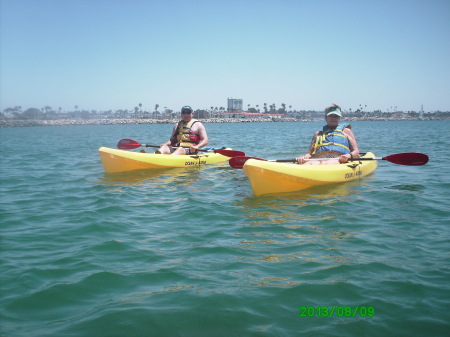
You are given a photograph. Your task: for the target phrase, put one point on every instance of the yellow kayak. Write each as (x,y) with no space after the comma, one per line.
(271,177)
(115,160)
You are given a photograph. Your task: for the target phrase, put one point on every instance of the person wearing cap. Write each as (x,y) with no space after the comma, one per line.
(336,140)
(188,135)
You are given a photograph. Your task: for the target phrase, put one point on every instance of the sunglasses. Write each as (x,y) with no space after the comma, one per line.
(186,112)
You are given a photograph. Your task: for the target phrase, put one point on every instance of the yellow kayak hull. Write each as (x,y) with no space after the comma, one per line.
(272,177)
(115,160)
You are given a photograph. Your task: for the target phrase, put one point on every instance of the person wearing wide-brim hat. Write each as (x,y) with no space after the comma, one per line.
(188,135)
(336,140)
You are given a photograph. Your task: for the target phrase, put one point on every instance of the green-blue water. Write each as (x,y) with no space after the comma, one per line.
(192,253)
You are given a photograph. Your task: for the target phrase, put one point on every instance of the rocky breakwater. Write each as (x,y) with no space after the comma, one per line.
(13,123)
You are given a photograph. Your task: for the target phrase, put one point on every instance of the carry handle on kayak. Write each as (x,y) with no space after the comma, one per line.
(407,158)
(128,144)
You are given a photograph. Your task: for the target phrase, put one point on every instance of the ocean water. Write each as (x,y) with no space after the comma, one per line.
(191,252)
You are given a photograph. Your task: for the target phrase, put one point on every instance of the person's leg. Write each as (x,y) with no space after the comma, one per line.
(164,149)
(179,150)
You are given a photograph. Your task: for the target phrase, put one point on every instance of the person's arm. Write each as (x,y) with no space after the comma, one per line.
(354,151)
(169,143)
(301,159)
(203,137)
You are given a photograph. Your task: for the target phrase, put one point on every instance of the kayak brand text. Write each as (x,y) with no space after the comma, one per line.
(353,174)
(190,163)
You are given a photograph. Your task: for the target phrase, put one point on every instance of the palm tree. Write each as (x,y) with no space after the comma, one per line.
(156,109)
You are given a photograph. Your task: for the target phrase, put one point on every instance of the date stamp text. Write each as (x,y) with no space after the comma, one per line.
(337,311)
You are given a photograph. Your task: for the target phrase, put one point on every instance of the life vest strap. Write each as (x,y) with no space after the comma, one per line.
(336,144)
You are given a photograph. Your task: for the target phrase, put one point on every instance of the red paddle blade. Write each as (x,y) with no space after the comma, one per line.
(128,144)
(408,158)
(238,162)
(230,153)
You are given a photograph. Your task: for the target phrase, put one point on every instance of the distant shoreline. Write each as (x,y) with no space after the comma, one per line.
(6,123)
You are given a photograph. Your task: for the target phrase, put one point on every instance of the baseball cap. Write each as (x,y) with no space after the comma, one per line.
(186,108)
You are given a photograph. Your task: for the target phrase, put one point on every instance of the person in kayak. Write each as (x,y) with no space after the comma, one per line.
(334,141)
(188,135)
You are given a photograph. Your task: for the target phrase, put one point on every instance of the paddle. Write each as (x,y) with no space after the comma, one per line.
(407,158)
(128,144)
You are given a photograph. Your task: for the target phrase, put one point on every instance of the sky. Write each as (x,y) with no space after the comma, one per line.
(114,54)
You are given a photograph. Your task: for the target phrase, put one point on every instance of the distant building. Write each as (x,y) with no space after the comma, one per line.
(421,113)
(252,115)
(235,105)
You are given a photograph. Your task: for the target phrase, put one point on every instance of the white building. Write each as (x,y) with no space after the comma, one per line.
(235,105)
